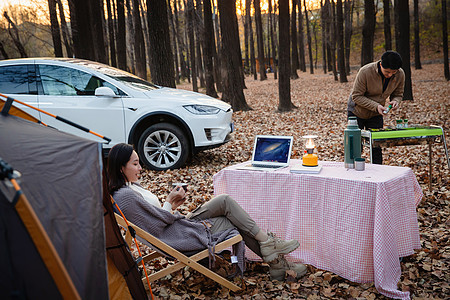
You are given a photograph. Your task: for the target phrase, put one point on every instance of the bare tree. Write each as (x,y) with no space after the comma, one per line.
(121,35)
(3,52)
(417,63)
(190,34)
(260,40)
(284,83)
(445,39)
(161,58)
(14,34)
(308,35)
(348,31)
(181,44)
(139,44)
(111,35)
(323,17)
(368,32)
(248,16)
(402,42)
(294,50)
(387,24)
(231,59)
(340,41)
(272,40)
(301,39)
(208,49)
(198,26)
(54,26)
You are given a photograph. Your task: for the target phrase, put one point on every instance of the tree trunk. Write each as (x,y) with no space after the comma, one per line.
(368,32)
(333,39)
(272,40)
(14,34)
(252,41)
(161,59)
(417,63)
(181,44)
(64,29)
(217,55)
(284,83)
(111,35)
(246,45)
(199,34)
(308,34)
(348,19)
(301,39)
(54,26)
(139,44)
(445,39)
(130,39)
(294,50)
(173,36)
(402,43)
(3,52)
(323,15)
(233,89)
(190,33)
(259,40)
(208,49)
(121,36)
(96,21)
(387,25)
(340,41)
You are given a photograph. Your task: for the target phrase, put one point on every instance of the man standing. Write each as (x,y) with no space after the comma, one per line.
(374,83)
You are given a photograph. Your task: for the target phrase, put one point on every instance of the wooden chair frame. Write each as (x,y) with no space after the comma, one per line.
(182,260)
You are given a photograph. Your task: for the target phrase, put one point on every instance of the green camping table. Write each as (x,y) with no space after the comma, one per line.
(417,135)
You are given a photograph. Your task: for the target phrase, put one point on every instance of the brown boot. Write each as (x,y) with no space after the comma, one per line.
(279,266)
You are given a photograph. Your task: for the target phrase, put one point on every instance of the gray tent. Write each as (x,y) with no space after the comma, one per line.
(62,180)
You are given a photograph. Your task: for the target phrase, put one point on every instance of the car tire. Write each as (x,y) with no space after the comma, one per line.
(163,146)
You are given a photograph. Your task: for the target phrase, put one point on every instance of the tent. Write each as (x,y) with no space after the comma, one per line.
(61,176)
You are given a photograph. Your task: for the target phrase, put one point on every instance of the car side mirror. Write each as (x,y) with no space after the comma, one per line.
(105,91)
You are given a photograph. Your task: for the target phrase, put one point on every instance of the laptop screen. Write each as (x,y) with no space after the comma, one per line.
(272,149)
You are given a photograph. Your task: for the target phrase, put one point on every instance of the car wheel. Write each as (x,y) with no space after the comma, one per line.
(163,146)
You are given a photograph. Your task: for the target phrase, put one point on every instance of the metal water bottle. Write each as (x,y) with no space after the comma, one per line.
(352,143)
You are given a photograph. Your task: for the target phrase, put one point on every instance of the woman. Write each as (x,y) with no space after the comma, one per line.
(214,221)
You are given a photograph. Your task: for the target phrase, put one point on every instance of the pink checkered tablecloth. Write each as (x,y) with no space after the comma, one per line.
(355,224)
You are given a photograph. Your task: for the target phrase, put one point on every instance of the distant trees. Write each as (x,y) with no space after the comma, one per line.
(172,40)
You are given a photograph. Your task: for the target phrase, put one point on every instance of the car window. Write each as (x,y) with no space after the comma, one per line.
(63,81)
(14,79)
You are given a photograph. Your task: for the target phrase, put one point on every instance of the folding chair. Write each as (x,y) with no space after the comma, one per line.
(182,260)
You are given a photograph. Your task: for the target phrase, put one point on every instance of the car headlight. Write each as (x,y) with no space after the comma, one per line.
(197,109)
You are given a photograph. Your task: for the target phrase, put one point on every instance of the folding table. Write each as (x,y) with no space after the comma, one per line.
(417,135)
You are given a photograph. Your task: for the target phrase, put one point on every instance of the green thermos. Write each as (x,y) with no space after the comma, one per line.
(352,143)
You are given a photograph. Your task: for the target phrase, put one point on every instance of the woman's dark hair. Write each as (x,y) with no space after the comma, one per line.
(391,60)
(118,157)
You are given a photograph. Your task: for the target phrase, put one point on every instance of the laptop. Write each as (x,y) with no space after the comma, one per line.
(270,152)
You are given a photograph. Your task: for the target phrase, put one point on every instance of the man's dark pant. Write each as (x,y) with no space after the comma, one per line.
(372,123)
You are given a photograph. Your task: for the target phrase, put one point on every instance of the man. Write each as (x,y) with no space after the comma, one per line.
(374,83)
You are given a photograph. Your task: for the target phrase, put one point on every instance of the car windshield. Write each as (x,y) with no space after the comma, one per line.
(122,76)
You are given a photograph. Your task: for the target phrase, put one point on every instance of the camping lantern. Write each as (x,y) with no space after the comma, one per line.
(309,158)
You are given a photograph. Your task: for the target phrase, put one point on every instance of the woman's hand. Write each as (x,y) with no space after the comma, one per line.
(176,197)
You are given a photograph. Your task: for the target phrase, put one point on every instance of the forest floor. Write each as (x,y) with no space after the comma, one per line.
(321,109)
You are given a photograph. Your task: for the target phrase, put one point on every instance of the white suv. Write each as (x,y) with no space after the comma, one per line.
(165,125)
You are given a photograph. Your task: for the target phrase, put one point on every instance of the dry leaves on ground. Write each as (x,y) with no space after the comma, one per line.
(321,109)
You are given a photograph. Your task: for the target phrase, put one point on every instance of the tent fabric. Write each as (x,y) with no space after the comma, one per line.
(19,259)
(62,179)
